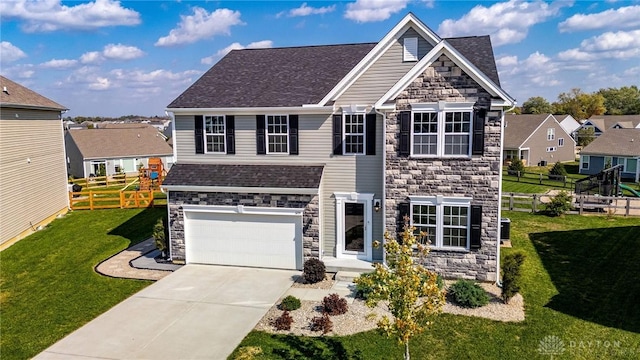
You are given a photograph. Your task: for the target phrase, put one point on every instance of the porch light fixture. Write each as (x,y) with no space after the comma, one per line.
(376,206)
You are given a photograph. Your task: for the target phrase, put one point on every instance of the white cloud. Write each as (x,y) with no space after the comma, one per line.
(100,84)
(201,25)
(10,53)
(59,64)
(624,17)
(236,46)
(121,52)
(51,15)
(507,61)
(610,45)
(506,22)
(92,57)
(18,71)
(305,10)
(373,10)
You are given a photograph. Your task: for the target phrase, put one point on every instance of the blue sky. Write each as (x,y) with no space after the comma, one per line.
(112,58)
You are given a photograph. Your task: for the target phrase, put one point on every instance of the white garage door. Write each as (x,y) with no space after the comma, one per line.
(271,241)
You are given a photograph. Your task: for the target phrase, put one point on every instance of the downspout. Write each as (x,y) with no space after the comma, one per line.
(502,126)
(384,180)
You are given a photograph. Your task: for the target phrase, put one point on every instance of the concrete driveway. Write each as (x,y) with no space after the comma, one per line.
(197,312)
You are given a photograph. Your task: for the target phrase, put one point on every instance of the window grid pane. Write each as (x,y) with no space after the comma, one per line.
(277,134)
(457,127)
(354,134)
(454,227)
(424,220)
(214,127)
(425,133)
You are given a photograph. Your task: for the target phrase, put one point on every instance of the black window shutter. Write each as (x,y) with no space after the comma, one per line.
(230,128)
(371,134)
(405,133)
(476,226)
(478,132)
(337,134)
(293,134)
(261,142)
(199,134)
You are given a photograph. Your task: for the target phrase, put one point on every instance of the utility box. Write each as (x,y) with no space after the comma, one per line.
(505,229)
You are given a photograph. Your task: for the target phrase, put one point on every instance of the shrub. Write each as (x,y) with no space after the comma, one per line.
(558,169)
(248,353)
(333,304)
(313,271)
(364,286)
(468,294)
(160,230)
(321,323)
(511,275)
(290,303)
(283,322)
(516,165)
(559,204)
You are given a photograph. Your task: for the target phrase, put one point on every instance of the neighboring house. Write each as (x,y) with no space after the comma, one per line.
(536,139)
(33,175)
(96,152)
(614,147)
(569,124)
(289,153)
(602,123)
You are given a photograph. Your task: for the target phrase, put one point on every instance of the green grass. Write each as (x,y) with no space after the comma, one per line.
(49,287)
(580,283)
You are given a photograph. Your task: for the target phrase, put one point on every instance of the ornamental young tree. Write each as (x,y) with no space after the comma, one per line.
(411,290)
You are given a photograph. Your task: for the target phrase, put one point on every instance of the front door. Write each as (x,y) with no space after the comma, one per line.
(354,227)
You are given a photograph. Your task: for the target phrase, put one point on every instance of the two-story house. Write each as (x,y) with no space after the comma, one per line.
(289,153)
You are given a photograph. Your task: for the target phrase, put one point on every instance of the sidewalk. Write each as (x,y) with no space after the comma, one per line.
(136,262)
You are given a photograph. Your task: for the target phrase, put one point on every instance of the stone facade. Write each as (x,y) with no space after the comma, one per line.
(310,216)
(476,177)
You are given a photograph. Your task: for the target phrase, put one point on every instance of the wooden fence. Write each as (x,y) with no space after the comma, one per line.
(92,200)
(581,204)
(540,179)
(103,181)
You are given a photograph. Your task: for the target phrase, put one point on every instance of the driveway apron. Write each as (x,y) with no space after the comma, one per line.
(197,312)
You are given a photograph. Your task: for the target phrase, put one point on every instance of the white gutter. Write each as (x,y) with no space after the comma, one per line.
(304,109)
(502,124)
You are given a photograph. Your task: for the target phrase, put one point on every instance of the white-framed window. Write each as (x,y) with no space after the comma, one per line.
(410,49)
(441,129)
(214,134)
(584,162)
(551,149)
(354,134)
(628,164)
(551,134)
(277,134)
(560,142)
(446,221)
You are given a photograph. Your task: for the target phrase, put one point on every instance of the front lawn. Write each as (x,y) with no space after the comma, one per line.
(48,286)
(580,285)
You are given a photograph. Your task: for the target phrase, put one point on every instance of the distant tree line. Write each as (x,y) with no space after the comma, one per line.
(581,105)
(81,119)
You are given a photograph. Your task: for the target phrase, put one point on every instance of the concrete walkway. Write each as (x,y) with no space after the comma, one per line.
(196,312)
(136,262)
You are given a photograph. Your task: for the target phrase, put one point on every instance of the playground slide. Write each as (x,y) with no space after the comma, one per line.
(635,193)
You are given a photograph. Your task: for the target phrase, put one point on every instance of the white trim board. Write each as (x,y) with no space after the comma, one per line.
(235,189)
(241,209)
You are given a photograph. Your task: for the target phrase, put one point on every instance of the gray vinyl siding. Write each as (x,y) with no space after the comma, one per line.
(362,173)
(538,144)
(384,73)
(30,192)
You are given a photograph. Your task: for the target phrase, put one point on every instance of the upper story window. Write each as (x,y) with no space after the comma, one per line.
(354,134)
(560,142)
(410,49)
(277,134)
(441,130)
(214,130)
(551,134)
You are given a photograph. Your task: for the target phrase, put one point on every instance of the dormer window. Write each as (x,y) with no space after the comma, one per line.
(410,49)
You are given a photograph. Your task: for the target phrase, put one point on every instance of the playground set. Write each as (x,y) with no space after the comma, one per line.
(151,177)
(605,183)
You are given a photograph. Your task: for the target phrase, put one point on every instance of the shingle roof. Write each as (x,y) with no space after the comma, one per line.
(19,96)
(479,51)
(519,127)
(298,75)
(272,77)
(266,176)
(605,122)
(615,142)
(112,143)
